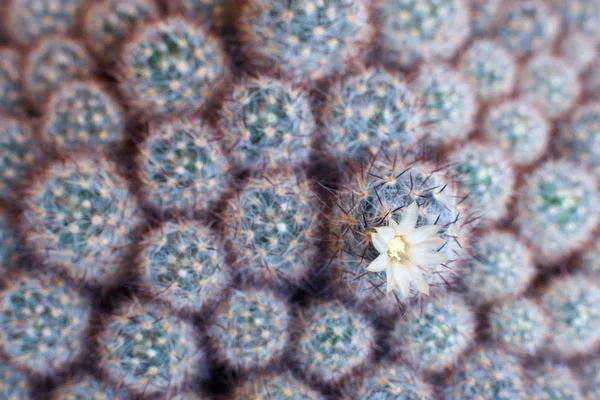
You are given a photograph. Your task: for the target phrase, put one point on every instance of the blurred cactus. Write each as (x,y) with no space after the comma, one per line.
(579,15)
(435,336)
(483,15)
(519,129)
(266,123)
(276,387)
(87,388)
(78,217)
(590,261)
(211,13)
(578,138)
(181,166)
(43,323)
(12,99)
(251,329)
(392,382)
(13,384)
(8,244)
(171,67)
(553,382)
(370,111)
(579,50)
(18,154)
(588,375)
(304,40)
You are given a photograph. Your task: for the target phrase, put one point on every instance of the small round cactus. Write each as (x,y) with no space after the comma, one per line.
(557,210)
(107,23)
(588,374)
(519,129)
(334,340)
(483,15)
(500,267)
(12,99)
(449,104)
(78,216)
(553,382)
(579,15)
(413,29)
(52,63)
(18,153)
(579,50)
(578,138)
(83,115)
(276,387)
(571,304)
(149,351)
(42,323)
(272,225)
(551,84)
(490,69)
(181,166)
(267,122)
(86,388)
(171,67)
(590,261)
(392,382)
(13,384)
(484,174)
(487,374)
(211,13)
(304,40)
(434,337)
(527,27)
(181,264)
(370,111)
(29,20)
(520,326)
(251,329)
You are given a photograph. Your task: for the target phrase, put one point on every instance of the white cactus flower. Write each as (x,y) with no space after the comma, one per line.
(405,252)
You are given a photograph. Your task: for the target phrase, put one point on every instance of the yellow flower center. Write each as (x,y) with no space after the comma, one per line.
(396,249)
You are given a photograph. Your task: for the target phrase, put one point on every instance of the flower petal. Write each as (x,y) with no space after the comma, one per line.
(432,244)
(409,219)
(419,280)
(394,225)
(402,279)
(390,281)
(379,264)
(424,233)
(379,242)
(425,258)
(386,233)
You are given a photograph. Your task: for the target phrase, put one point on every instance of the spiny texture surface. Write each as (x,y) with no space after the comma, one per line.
(435,336)
(212,13)
(557,210)
(580,15)
(520,326)
(52,63)
(304,40)
(553,382)
(13,384)
(8,244)
(11,86)
(83,115)
(500,266)
(181,166)
(271,223)
(42,323)
(334,340)
(588,374)
(571,304)
(181,263)
(171,67)
(276,387)
(392,382)
(590,261)
(370,111)
(78,216)
(18,153)
(251,329)
(87,388)
(579,50)
(519,129)
(483,15)
(267,122)
(578,138)
(149,351)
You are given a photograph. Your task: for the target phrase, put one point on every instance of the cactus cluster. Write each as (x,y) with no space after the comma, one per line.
(18,153)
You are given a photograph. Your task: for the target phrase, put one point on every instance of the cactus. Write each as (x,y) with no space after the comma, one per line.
(13,384)
(484,174)
(591,80)
(107,23)
(52,63)
(571,304)
(181,166)
(251,329)
(267,122)
(582,15)
(527,27)
(369,111)
(43,323)
(334,340)
(86,388)
(304,40)
(78,216)
(490,69)
(392,382)
(271,223)
(557,210)
(520,326)
(12,99)
(171,67)
(8,244)
(449,104)
(590,261)
(553,382)
(487,374)
(148,351)
(180,263)
(578,138)
(551,84)
(18,154)
(368,197)
(588,374)
(27,21)
(434,337)
(211,13)
(415,29)
(483,15)
(519,129)
(83,115)
(276,387)
(500,267)
(579,50)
